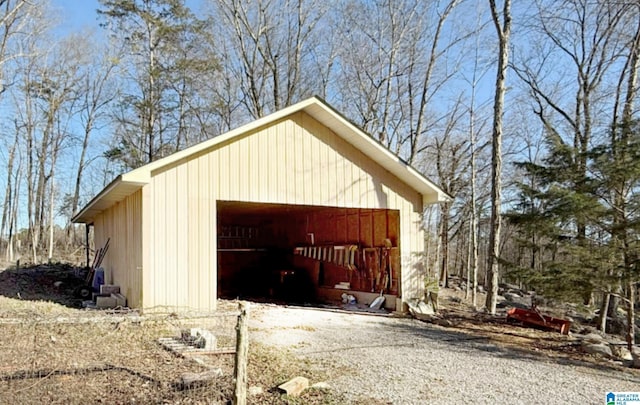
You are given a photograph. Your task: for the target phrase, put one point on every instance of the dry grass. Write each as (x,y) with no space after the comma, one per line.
(53,352)
(270,367)
(45,361)
(118,360)
(16,308)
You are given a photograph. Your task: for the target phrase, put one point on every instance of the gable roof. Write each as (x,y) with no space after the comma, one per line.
(128,183)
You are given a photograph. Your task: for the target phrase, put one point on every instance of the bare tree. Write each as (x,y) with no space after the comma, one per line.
(451,156)
(96,91)
(270,45)
(477,72)
(397,67)
(14,14)
(14,17)
(9,208)
(502,23)
(44,95)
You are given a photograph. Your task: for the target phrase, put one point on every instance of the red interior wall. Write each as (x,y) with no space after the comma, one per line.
(286,229)
(336,226)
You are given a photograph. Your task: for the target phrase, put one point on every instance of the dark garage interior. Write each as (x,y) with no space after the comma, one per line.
(306,254)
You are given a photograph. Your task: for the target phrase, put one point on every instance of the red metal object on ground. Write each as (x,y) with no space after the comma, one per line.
(533,317)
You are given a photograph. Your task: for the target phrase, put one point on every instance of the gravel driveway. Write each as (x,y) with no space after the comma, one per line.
(404,361)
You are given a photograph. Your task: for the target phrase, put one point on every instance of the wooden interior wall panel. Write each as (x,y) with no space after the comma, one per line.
(333,274)
(332,220)
(353,227)
(324,229)
(295,227)
(393,227)
(379,227)
(366,228)
(341,227)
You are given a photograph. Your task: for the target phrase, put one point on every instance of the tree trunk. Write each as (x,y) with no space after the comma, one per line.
(150,108)
(473,241)
(71,233)
(503,29)
(13,217)
(444,242)
(603,312)
(467,290)
(631,315)
(51,227)
(426,82)
(6,208)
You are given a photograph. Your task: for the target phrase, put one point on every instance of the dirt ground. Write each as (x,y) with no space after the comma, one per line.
(78,363)
(389,360)
(50,283)
(55,352)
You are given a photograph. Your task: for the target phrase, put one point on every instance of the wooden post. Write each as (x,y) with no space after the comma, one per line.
(242,351)
(86,241)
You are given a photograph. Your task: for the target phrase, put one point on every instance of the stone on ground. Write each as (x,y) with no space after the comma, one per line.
(635,355)
(601,349)
(621,352)
(295,386)
(593,338)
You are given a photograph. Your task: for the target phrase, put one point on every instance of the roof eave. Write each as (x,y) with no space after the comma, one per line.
(314,106)
(116,191)
(417,180)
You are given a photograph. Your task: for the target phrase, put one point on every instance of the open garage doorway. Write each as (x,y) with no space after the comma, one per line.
(307,254)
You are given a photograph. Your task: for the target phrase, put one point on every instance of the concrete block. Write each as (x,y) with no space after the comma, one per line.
(109,289)
(199,338)
(121,300)
(295,386)
(94,296)
(105,302)
(205,339)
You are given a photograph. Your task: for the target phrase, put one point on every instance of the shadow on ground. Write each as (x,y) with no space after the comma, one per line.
(485,340)
(54,283)
(462,340)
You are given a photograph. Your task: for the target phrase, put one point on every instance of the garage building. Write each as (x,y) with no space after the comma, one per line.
(298,205)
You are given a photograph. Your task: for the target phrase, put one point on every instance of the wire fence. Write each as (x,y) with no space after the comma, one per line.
(119,357)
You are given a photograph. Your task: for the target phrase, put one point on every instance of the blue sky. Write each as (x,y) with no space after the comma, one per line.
(76,14)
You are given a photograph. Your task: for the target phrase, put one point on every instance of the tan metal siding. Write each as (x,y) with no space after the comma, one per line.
(293,161)
(302,162)
(122,222)
(183,228)
(148,257)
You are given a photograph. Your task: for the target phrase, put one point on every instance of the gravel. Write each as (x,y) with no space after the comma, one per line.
(405,361)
